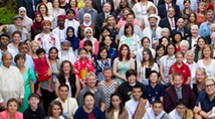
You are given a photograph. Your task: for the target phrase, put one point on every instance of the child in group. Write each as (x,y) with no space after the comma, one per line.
(112,52)
(42,70)
(83,66)
(34,111)
(89,46)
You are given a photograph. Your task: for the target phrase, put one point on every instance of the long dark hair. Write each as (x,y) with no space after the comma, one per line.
(120,105)
(197,49)
(151,60)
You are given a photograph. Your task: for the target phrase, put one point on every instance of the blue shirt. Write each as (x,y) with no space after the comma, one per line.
(204,29)
(112,53)
(205,102)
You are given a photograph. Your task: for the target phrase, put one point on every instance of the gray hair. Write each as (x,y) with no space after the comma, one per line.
(5,54)
(190,52)
(212,34)
(184,43)
(91,74)
(165,30)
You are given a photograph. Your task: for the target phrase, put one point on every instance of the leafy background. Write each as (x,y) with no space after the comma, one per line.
(8,9)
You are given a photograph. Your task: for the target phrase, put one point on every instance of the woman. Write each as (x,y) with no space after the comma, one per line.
(33,48)
(123,63)
(16,36)
(11,111)
(86,23)
(119,5)
(73,4)
(55,111)
(42,8)
(88,110)
(164,41)
(102,63)
(176,39)
(74,40)
(160,51)
(191,20)
(147,65)
(194,36)
(28,77)
(186,11)
(37,27)
(56,11)
(184,45)
(207,61)
(165,32)
(154,91)
(90,54)
(26,22)
(201,16)
(108,86)
(199,83)
(130,39)
(104,32)
(201,41)
(165,63)
(67,76)
(116,109)
(88,33)
(140,9)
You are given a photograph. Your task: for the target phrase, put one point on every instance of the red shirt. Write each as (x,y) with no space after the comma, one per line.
(184,70)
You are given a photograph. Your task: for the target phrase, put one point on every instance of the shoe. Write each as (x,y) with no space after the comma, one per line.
(39,92)
(49,89)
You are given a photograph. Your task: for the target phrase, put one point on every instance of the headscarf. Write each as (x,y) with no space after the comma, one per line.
(37,25)
(87,24)
(74,39)
(27,22)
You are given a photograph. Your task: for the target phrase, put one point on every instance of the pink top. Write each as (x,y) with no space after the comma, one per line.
(94,42)
(5,115)
(122,23)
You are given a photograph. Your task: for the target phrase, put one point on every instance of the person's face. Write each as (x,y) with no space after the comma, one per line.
(190,57)
(4,41)
(210,16)
(61,23)
(200,76)
(88,47)
(180,23)
(201,43)
(130,18)
(132,79)
(129,30)
(73,3)
(178,81)
(105,33)
(34,47)
(56,111)
(177,38)
(46,27)
(86,19)
(194,30)
(146,56)
(152,21)
(187,4)
(151,12)
(209,87)
(111,20)
(107,8)
(166,34)
(213,37)
(160,52)
(137,93)
(124,51)
(212,28)
(170,50)
(53,54)
(55,3)
(103,54)
(123,3)
(63,93)
(89,102)
(16,38)
(91,81)
(181,109)
(42,9)
(165,42)
(158,108)
(12,107)
(146,43)
(18,21)
(33,101)
(88,2)
(202,7)
(107,41)
(171,12)
(88,34)
(125,12)
(7,60)
(83,54)
(206,52)
(153,78)
(179,58)
(65,46)
(66,68)
(184,48)
(108,74)
(115,101)
(70,15)
(38,18)
(22,13)
(70,33)
(192,18)
(20,62)
(41,55)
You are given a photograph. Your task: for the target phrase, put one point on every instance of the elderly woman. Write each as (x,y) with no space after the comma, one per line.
(27,22)
(184,45)
(195,35)
(165,32)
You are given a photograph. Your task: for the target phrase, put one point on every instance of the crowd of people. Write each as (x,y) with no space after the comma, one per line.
(109,59)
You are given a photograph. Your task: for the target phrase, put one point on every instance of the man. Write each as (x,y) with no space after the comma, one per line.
(180,67)
(99,4)
(185,32)
(125,88)
(87,9)
(30,6)
(137,30)
(136,106)
(70,21)
(162,9)
(178,91)
(212,29)
(181,111)
(169,21)
(98,93)
(153,32)
(11,82)
(17,26)
(195,35)
(206,100)
(60,31)
(69,104)
(204,29)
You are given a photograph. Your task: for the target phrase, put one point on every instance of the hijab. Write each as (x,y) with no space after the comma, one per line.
(87,24)
(74,39)
(37,25)
(27,22)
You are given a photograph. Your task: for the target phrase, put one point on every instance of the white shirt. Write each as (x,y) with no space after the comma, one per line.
(11,83)
(67,55)
(193,67)
(61,34)
(174,115)
(74,23)
(210,70)
(139,54)
(150,114)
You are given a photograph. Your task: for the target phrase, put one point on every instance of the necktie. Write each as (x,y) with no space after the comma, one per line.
(172,23)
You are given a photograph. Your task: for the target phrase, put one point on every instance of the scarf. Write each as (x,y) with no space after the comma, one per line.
(73,40)
(52,41)
(36,24)
(140,110)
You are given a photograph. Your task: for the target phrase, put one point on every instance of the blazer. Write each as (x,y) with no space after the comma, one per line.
(98,5)
(186,34)
(162,11)
(165,23)
(100,20)
(81,114)
(170,97)
(160,2)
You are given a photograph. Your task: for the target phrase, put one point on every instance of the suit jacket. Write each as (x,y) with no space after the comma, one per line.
(162,11)
(101,18)
(28,5)
(165,23)
(98,5)
(170,97)
(160,2)
(186,34)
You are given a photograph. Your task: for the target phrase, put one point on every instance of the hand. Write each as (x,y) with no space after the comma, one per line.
(49,73)
(2,105)
(133,55)
(198,108)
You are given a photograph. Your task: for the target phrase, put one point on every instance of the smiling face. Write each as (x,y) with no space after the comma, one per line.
(115,100)
(89,102)
(12,107)
(56,111)
(20,62)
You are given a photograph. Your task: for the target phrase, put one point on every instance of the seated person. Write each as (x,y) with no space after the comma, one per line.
(181,111)
(136,106)
(34,111)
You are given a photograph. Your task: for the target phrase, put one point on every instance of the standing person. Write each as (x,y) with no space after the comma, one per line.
(72,38)
(30,6)
(27,22)
(201,42)
(60,30)
(37,27)
(28,77)
(56,11)
(16,39)
(73,4)
(42,8)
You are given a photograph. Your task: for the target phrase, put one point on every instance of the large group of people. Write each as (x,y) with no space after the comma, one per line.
(109,59)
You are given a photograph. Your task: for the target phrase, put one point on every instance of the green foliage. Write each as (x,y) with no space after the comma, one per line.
(8,9)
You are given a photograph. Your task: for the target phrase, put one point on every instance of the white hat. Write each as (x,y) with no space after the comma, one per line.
(153,16)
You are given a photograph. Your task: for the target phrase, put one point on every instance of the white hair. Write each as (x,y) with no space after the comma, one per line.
(165,30)
(91,74)
(184,43)
(190,52)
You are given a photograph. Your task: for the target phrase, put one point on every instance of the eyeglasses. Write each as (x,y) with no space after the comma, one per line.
(209,85)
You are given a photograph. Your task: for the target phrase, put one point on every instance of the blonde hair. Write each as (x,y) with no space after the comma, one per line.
(33,43)
(204,73)
(204,47)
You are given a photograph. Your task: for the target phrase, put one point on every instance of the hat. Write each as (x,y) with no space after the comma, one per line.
(65,41)
(61,17)
(17,16)
(153,16)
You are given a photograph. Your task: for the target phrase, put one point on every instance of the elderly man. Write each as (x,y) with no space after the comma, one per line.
(194,36)
(11,81)
(98,93)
